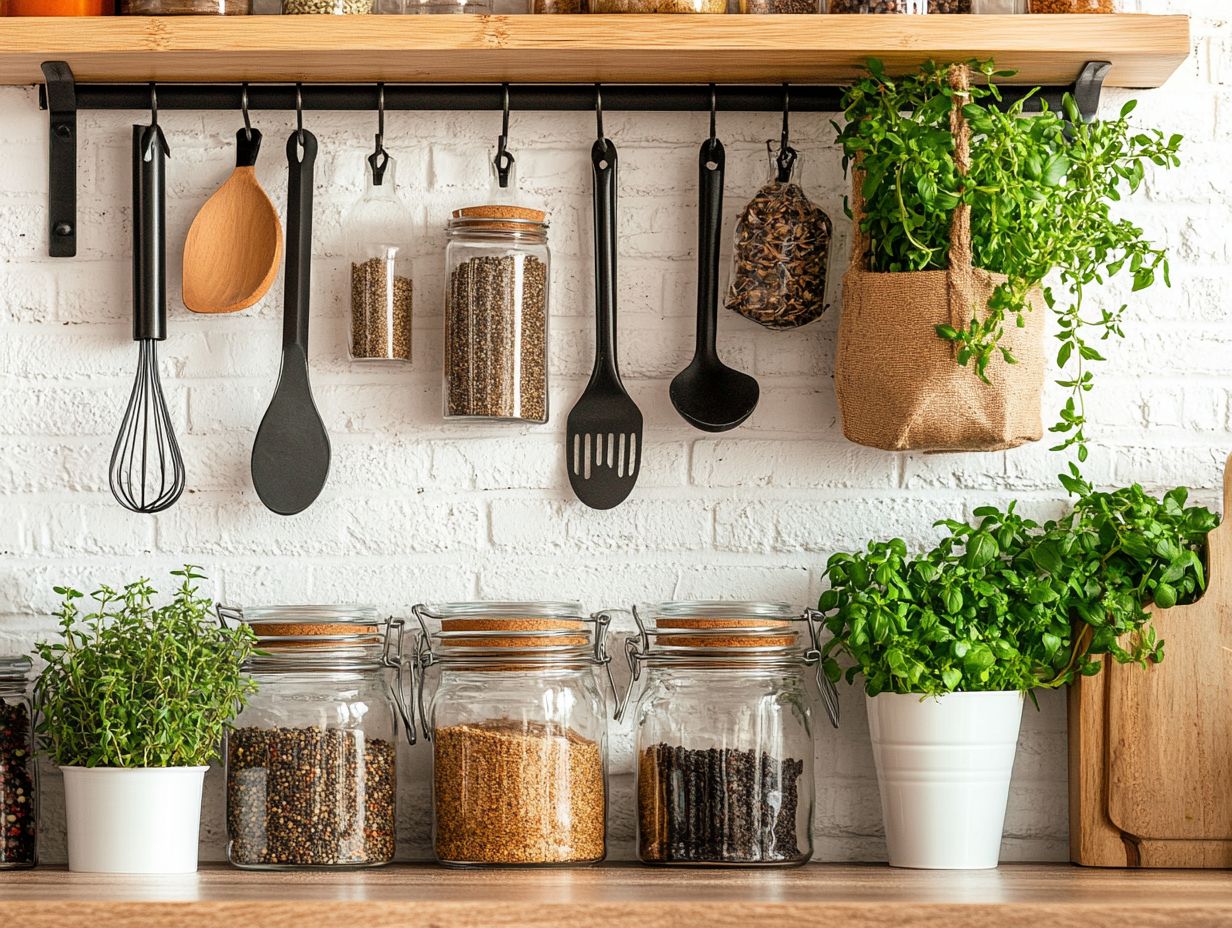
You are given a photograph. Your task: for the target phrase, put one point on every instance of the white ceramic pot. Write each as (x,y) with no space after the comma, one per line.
(944,768)
(133,820)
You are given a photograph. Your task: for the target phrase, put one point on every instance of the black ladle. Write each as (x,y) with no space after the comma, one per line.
(290,457)
(710,395)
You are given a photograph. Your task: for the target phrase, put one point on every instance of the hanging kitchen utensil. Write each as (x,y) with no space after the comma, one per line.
(234,245)
(603,436)
(710,395)
(290,457)
(147,471)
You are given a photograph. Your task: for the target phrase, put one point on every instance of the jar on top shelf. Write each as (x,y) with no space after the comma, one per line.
(518,724)
(57,7)
(336,7)
(725,732)
(432,6)
(782,6)
(496,314)
(1071,6)
(658,6)
(185,7)
(312,762)
(18,767)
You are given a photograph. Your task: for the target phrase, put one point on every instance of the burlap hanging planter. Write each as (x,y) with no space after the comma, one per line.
(899,386)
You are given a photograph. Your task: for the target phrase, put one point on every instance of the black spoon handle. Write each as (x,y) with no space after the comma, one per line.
(247,147)
(603,157)
(710,163)
(149,233)
(299,237)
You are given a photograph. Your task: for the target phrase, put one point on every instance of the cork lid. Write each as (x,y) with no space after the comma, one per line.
(721,625)
(313,628)
(499,217)
(541,629)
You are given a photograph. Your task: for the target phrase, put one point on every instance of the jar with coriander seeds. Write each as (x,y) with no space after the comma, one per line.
(19,791)
(311,762)
(724,725)
(511,699)
(497,268)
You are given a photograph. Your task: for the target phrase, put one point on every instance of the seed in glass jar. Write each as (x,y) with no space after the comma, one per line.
(349,7)
(949,6)
(879,6)
(778,6)
(496,338)
(514,792)
(380,311)
(17,816)
(1070,6)
(658,6)
(779,267)
(721,805)
(310,797)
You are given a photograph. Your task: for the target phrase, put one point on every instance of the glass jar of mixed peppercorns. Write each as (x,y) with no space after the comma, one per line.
(725,732)
(312,773)
(18,767)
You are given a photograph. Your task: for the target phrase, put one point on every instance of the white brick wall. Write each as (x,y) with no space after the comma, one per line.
(420,509)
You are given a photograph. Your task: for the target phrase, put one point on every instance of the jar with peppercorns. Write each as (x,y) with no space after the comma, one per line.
(724,732)
(311,762)
(18,767)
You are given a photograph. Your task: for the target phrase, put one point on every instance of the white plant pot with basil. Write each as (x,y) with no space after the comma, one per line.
(133,704)
(949,642)
(943,769)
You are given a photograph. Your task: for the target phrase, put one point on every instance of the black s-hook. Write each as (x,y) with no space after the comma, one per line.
(785,160)
(379,159)
(504,159)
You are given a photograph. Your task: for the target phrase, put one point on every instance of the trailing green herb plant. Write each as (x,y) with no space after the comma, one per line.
(131,684)
(1005,603)
(1041,190)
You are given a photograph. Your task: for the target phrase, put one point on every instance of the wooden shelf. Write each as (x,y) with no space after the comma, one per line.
(1144,50)
(622,895)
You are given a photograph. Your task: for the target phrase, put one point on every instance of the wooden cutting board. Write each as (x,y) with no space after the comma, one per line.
(1150,751)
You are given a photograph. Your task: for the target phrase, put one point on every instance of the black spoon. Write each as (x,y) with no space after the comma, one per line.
(290,457)
(710,395)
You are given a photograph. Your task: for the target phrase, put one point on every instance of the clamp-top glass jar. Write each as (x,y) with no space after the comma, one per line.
(518,725)
(18,767)
(725,732)
(312,774)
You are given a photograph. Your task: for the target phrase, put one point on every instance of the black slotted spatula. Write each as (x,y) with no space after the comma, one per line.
(603,438)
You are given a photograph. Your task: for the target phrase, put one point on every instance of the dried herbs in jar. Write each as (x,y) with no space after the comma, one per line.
(781,254)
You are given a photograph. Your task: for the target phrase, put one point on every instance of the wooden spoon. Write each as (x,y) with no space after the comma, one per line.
(234,246)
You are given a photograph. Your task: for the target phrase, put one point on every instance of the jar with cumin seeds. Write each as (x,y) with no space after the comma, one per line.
(518,724)
(725,732)
(19,791)
(381,286)
(496,314)
(312,760)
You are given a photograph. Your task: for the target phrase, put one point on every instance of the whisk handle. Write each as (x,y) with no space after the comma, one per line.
(301,156)
(149,233)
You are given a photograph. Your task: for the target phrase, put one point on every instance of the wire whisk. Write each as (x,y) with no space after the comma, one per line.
(147,470)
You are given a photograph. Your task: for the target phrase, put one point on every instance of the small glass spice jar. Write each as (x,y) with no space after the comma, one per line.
(336,7)
(724,743)
(381,286)
(658,6)
(1071,6)
(18,768)
(518,725)
(185,7)
(496,314)
(312,773)
(880,6)
(782,6)
(432,6)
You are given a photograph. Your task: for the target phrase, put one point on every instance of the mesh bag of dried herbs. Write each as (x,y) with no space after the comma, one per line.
(782,249)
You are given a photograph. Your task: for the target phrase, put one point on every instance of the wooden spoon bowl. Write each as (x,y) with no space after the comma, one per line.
(234,245)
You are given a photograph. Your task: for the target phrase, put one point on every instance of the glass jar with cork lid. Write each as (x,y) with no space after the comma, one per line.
(724,732)
(18,767)
(312,774)
(518,724)
(496,314)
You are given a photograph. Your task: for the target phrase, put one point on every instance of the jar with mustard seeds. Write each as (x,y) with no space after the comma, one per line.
(510,697)
(721,695)
(312,760)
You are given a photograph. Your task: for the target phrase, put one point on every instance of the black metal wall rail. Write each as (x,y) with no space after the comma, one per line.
(63,97)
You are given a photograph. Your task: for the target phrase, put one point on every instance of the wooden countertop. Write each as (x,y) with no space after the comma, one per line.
(816,896)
